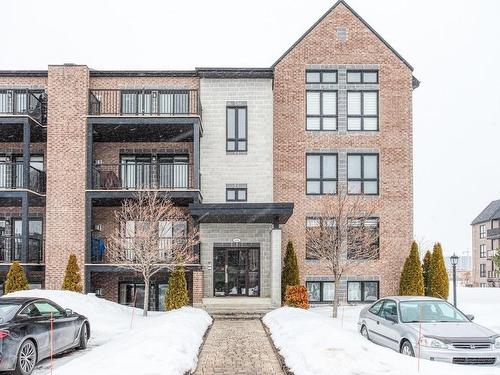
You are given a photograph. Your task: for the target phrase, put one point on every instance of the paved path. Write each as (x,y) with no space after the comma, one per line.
(237,347)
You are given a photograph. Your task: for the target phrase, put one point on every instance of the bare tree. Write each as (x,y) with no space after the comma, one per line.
(343,234)
(152,235)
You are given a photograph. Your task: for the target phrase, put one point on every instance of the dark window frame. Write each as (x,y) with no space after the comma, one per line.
(362,72)
(362,116)
(321,296)
(321,72)
(236,138)
(321,179)
(321,116)
(482,270)
(482,231)
(308,257)
(482,251)
(236,190)
(377,244)
(362,179)
(362,283)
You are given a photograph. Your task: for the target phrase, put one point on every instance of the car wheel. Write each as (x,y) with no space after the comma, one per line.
(364,332)
(83,337)
(407,349)
(26,358)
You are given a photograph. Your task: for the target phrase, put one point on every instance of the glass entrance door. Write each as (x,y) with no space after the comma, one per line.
(236,272)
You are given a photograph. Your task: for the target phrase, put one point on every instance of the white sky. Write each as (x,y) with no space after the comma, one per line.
(453,45)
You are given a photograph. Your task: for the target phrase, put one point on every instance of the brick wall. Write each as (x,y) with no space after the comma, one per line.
(393,142)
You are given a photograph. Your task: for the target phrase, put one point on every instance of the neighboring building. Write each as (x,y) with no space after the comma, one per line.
(230,145)
(463,269)
(485,242)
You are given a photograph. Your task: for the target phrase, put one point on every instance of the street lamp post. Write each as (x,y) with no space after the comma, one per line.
(454,261)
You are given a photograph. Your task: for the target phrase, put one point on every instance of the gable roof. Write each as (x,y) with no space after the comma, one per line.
(359,17)
(491,212)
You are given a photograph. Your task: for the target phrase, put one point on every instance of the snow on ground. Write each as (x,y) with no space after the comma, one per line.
(311,342)
(162,343)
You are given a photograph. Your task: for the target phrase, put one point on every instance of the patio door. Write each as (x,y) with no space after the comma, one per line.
(236,272)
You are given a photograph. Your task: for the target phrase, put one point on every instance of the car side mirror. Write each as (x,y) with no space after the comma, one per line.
(68,312)
(392,318)
(470,317)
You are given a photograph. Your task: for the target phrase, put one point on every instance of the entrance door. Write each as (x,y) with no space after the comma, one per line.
(236,272)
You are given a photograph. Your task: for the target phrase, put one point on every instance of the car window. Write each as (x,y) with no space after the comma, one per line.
(430,311)
(375,309)
(390,308)
(30,311)
(7,311)
(47,309)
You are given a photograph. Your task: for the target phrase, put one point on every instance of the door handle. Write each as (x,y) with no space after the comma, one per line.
(225,274)
(378,322)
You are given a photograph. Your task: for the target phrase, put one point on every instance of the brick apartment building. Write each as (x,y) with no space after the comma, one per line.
(250,152)
(485,242)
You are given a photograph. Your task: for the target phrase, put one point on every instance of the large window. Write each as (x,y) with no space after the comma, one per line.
(362,110)
(321,110)
(236,132)
(482,270)
(320,291)
(321,172)
(362,174)
(236,194)
(482,251)
(362,291)
(363,241)
(315,224)
(482,231)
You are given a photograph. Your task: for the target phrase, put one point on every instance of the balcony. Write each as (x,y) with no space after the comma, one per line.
(11,249)
(32,103)
(11,177)
(493,234)
(174,103)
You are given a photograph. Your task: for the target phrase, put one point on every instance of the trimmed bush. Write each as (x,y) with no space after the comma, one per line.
(290,273)
(72,278)
(296,296)
(16,279)
(177,294)
(426,270)
(412,280)
(438,277)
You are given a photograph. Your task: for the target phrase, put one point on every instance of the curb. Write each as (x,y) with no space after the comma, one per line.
(280,358)
(190,372)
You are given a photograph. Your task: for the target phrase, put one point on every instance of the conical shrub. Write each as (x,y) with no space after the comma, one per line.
(177,294)
(426,267)
(72,278)
(412,281)
(16,279)
(438,277)
(290,273)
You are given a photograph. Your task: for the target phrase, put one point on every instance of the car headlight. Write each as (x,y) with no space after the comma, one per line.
(497,343)
(432,343)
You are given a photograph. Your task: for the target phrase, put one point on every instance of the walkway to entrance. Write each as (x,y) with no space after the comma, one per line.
(237,347)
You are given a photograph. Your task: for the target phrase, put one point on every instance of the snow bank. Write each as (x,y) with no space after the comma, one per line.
(311,342)
(162,343)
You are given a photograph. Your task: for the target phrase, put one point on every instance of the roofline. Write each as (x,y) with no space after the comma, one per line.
(204,72)
(359,17)
(24,73)
(143,73)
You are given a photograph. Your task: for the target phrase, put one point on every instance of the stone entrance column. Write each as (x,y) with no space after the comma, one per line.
(276,266)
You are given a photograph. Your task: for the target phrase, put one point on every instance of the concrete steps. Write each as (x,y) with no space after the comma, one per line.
(237,307)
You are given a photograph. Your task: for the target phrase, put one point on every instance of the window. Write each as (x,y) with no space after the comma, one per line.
(390,309)
(363,241)
(482,270)
(375,309)
(362,110)
(482,251)
(312,224)
(236,194)
(321,172)
(362,174)
(321,110)
(482,231)
(321,76)
(482,285)
(46,308)
(236,131)
(362,291)
(357,76)
(320,291)
(154,102)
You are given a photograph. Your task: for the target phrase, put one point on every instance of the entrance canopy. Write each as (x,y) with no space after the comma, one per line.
(274,213)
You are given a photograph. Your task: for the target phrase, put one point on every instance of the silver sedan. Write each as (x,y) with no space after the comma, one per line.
(429,328)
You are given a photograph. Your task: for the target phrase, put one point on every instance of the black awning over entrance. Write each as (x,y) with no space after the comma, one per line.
(274,213)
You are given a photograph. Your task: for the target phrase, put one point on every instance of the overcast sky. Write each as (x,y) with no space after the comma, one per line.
(453,45)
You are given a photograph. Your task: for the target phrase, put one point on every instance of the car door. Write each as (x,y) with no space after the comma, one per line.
(387,329)
(372,319)
(36,326)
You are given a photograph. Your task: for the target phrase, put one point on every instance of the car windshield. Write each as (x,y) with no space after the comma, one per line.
(429,311)
(7,310)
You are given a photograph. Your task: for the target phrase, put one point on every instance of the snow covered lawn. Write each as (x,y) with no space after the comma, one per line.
(313,343)
(162,343)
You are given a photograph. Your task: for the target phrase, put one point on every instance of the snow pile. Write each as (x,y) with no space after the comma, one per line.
(162,343)
(311,342)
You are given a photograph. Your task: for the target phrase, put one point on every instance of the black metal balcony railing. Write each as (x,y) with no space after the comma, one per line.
(112,102)
(165,247)
(11,177)
(11,246)
(141,176)
(24,102)
(493,234)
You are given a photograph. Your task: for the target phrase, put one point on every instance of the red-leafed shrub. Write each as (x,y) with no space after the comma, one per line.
(296,296)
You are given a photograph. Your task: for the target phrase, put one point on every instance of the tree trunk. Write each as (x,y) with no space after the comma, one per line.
(146,297)
(335,304)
